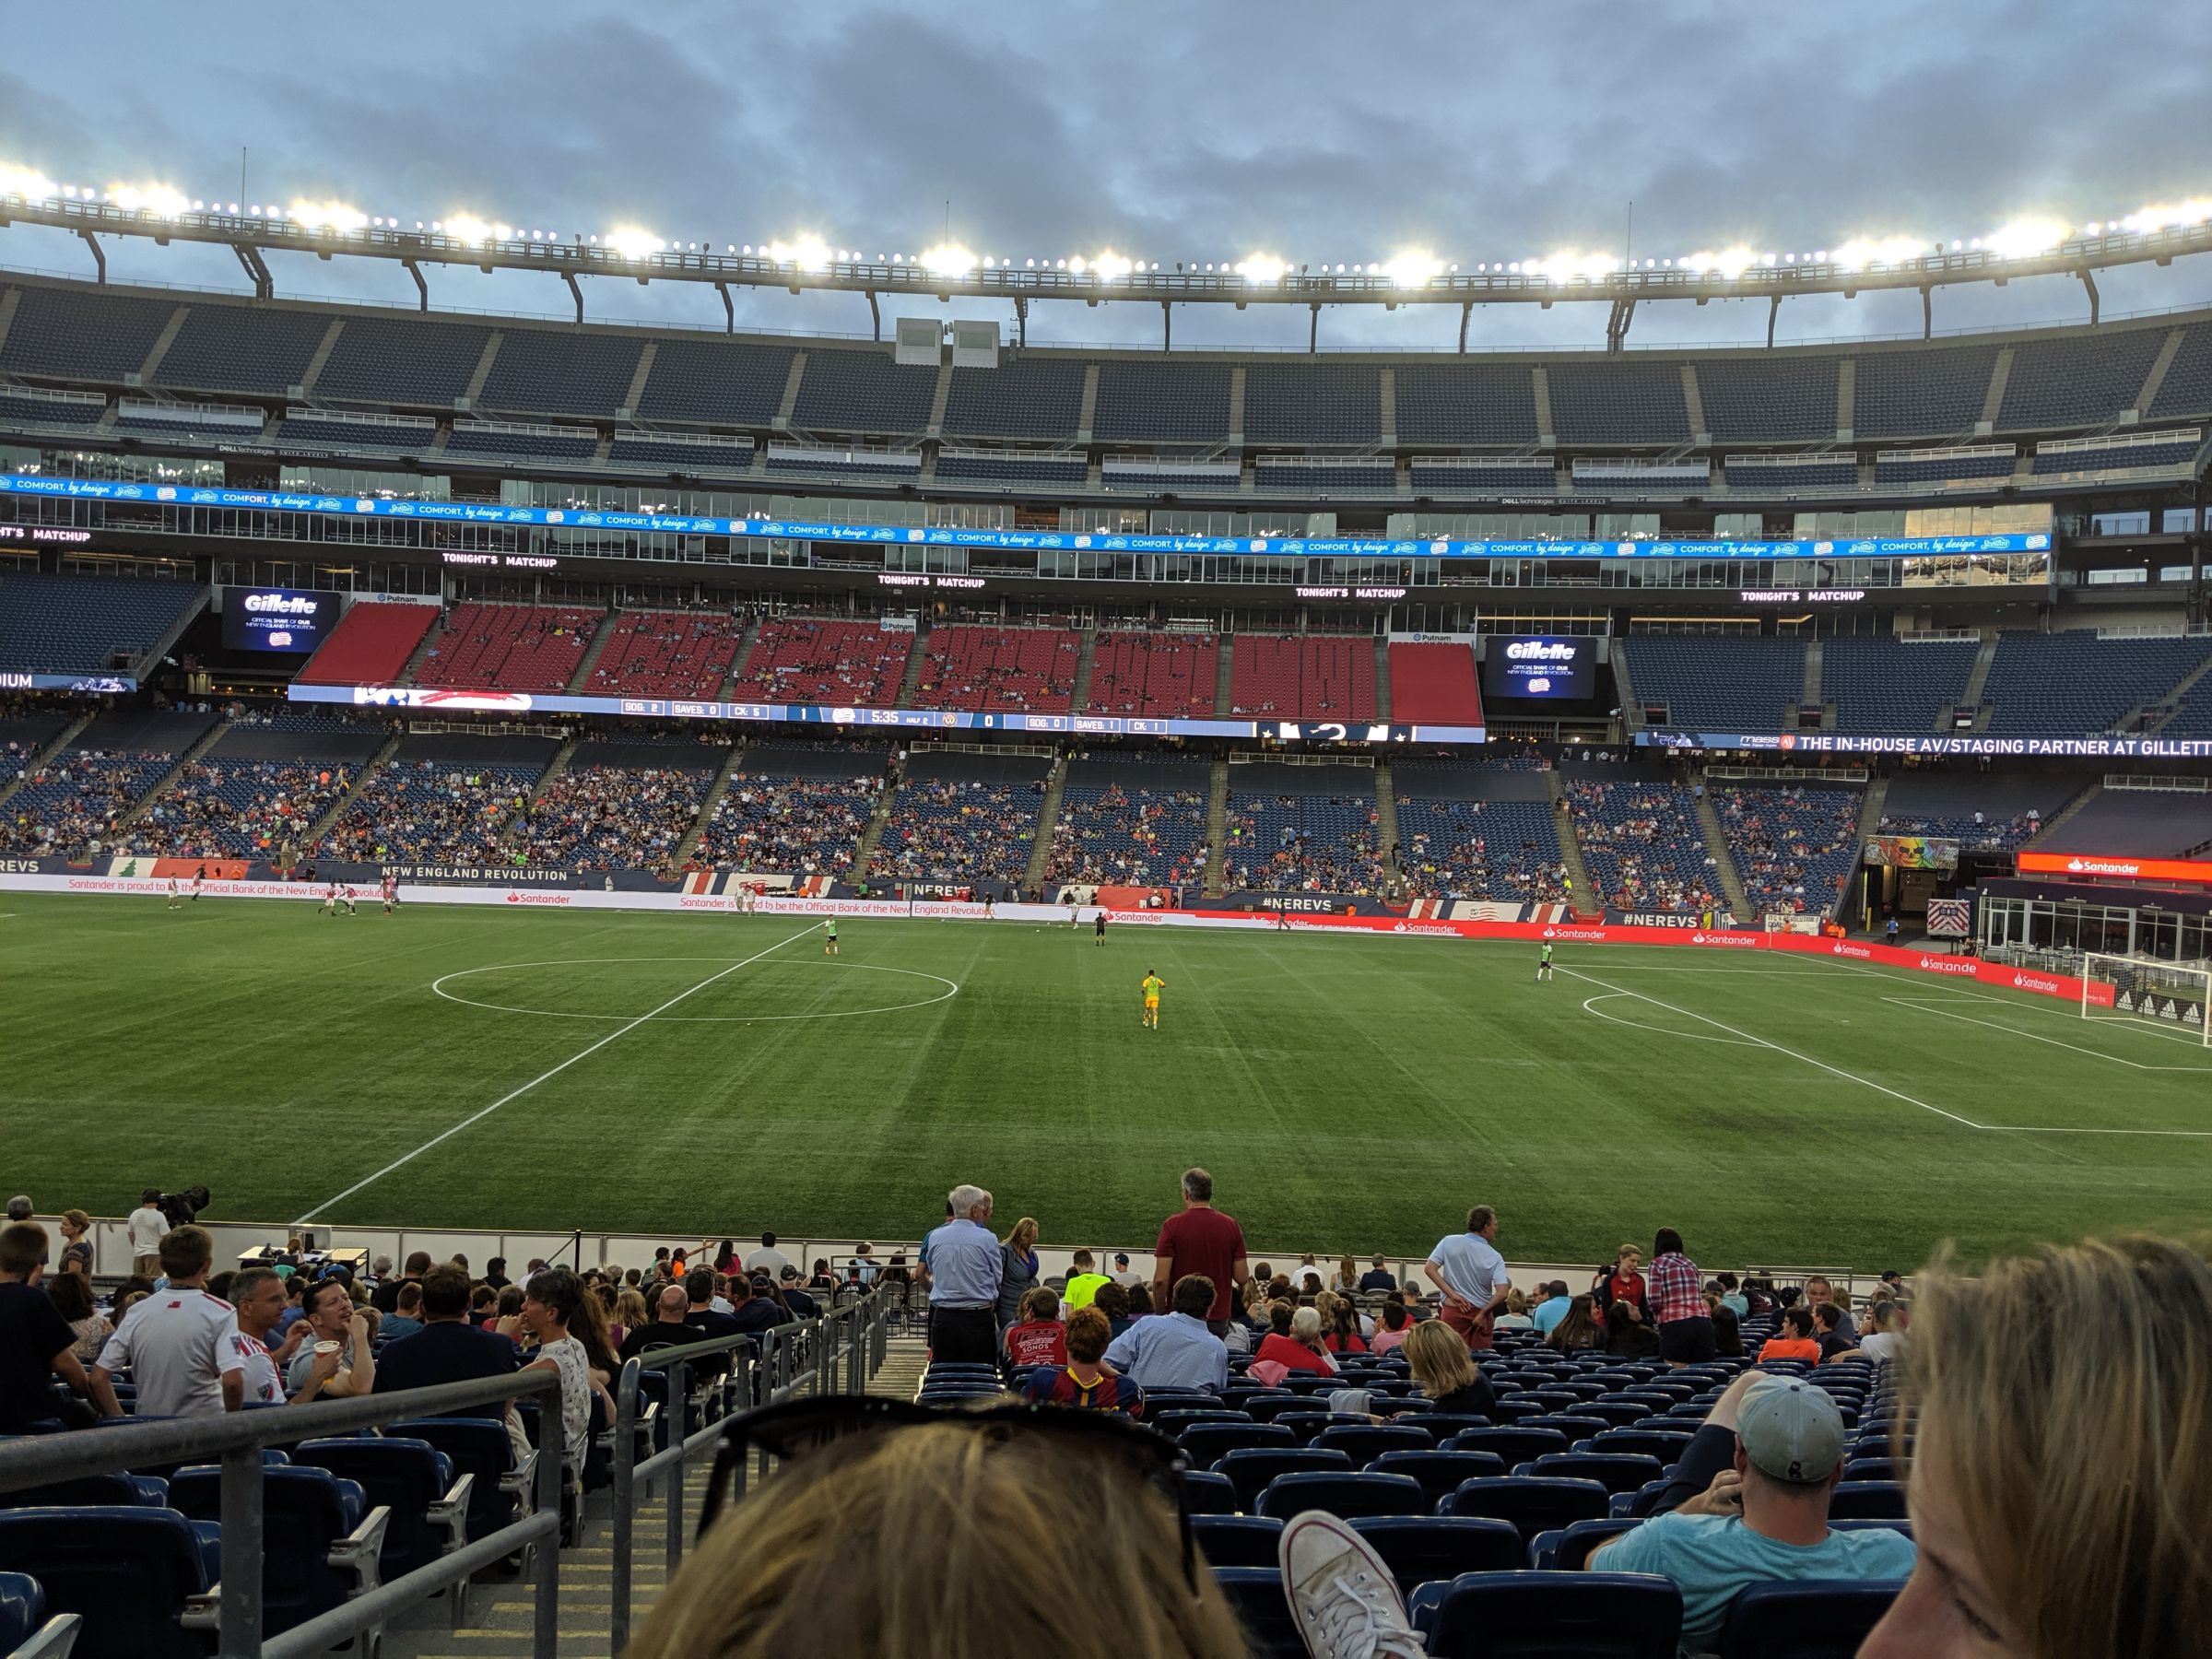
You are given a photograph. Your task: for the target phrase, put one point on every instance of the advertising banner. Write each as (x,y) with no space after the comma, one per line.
(1540,668)
(290,620)
(1912,852)
(1925,743)
(2109,864)
(82,685)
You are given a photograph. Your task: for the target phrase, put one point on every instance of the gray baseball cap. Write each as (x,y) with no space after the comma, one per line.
(1791,1429)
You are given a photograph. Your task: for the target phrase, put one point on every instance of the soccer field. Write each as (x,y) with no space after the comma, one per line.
(711,1075)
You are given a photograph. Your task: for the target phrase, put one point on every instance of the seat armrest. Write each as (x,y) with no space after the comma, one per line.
(358,1549)
(204,1611)
(52,1640)
(451,1511)
(522,1480)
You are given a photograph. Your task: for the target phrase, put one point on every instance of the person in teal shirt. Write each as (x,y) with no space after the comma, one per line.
(1763,1517)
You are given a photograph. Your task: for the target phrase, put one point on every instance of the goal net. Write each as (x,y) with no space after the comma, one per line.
(2170,997)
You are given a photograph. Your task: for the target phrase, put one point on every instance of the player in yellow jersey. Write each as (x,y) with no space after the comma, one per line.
(1153,986)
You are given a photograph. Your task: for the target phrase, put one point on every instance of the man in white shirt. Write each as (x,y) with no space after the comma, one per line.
(1887,1340)
(146,1227)
(768,1259)
(258,1295)
(1467,1269)
(1123,1275)
(177,1344)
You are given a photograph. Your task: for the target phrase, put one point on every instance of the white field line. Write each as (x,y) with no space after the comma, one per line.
(1883,1087)
(1934,1006)
(584,1053)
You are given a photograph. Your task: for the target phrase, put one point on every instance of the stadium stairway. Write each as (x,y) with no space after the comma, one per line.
(2167,706)
(727,690)
(44,758)
(1587,899)
(1382,699)
(2082,798)
(554,767)
(1810,695)
(1087,659)
(1040,852)
(916,660)
(879,818)
(1870,820)
(322,826)
(1983,660)
(1631,711)
(689,844)
(1217,813)
(139,807)
(422,650)
(1225,694)
(601,637)
(1386,803)
(1716,843)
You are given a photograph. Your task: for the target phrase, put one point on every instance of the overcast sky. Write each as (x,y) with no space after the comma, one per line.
(1210,129)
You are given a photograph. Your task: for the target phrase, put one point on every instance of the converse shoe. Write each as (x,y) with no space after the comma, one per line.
(1343,1596)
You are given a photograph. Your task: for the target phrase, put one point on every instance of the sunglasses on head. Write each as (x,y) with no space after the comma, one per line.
(793,1431)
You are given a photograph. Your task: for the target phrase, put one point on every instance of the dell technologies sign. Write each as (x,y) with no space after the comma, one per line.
(294,621)
(1540,668)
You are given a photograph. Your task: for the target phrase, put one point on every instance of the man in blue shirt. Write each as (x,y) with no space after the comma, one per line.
(1547,1313)
(1379,1278)
(1174,1350)
(1763,1519)
(447,1348)
(965,1263)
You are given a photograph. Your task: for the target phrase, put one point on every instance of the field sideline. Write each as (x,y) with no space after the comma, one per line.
(706,1075)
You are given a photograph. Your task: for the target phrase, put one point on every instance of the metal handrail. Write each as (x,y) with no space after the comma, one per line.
(797,1357)
(237,1440)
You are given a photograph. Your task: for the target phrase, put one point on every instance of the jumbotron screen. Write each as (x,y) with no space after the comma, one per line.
(294,621)
(1540,666)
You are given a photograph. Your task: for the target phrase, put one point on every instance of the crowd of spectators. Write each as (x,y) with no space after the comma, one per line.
(428,812)
(793,826)
(1643,845)
(1303,844)
(72,803)
(1977,834)
(1130,837)
(1793,847)
(954,830)
(1452,848)
(613,817)
(235,809)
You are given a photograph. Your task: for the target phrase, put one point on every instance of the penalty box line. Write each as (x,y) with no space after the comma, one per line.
(584,1053)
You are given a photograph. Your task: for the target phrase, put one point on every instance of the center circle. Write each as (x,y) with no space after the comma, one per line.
(438,988)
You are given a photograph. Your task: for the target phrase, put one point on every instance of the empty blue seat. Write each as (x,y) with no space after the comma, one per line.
(1867,1466)
(92,1491)
(1574,1426)
(1531,1614)
(140,1578)
(1205,1443)
(1867,1500)
(1442,1425)
(1348,1496)
(1616,1472)
(1250,1469)
(1206,1493)
(1530,1502)
(1439,1471)
(1172,1423)
(1263,1607)
(1237,1540)
(1513,1446)
(412,1479)
(1421,1549)
(1617,1412)
(478,1447)
(1566,1548)
(321,1537)
(1364,1441)
(23,1615)
(1666,1446)
(1815,1619)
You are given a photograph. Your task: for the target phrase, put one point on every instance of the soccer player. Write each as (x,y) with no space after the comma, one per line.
(1153,986)
(199,880)
(330,897)
(1544,965)
(830,936)
(175,895)
(1101,926)
(390,892)
(347,901)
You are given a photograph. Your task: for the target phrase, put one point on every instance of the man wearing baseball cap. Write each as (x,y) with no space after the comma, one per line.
(1762,1517)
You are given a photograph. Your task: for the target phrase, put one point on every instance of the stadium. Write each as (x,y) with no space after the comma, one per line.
(543,788)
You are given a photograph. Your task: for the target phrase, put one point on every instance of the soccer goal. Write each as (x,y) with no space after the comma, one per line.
(2165,996)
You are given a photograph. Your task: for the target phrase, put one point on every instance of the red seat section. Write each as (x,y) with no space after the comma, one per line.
(664,653)
(510,647)
(1322,676)
(370,645)
(1434,684)
(804,660)
(1000,670)
(1169,674)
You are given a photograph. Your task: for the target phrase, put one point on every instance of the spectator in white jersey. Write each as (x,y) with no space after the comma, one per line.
(177,1343)
(258,1295)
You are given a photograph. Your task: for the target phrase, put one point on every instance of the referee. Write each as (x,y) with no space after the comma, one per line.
(965,1263)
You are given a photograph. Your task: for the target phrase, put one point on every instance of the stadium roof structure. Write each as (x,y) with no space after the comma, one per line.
(2154,237)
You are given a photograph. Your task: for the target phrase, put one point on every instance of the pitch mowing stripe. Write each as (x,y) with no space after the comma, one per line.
(544,1076)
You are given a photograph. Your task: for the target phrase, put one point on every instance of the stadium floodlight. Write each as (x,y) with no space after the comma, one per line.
(325,216)
(808,253)
(467,228)
(1110,267)
(1573,268)
(27,182)
(164,201)
(2164,215)
(1412,269)
(2023,238)
(1861,252)
(1262,269)
(947,259)
(630,242)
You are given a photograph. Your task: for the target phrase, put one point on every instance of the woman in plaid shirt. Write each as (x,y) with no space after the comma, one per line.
(1678,1299)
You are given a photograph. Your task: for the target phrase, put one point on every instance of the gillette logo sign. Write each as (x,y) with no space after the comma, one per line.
(1541,650)
(285,605)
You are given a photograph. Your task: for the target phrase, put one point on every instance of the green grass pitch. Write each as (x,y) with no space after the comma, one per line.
(1348,1092)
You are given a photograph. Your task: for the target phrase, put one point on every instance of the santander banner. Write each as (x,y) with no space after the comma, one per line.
(2113,866)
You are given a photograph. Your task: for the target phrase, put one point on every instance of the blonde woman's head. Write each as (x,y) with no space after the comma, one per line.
(1023,1239)
(1437,1355)
(774,1579)
(2063,1404)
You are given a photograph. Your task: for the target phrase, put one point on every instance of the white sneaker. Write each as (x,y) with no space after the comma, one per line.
(1344,1598)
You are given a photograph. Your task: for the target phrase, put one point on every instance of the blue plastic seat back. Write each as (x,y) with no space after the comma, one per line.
(1617,1412)
(1263,1607)
(1439,1471)
(478,1446)
(1643,1442)
(1566,1548)
(1365,1441)
(1814,1619)
(92,1491)
(1543,1615)
(1420,1549)
(1173,1422)
(1203,1444)
(1345,1495)
(1237,1540)
(1616,1472)
(305,1511)
(1206,1493)
(1443,1425)
(1867,1500)
(405,1476)
(127,1571)
(22,1609)
(1250,1469)
(1513,1446)
(1532,1503)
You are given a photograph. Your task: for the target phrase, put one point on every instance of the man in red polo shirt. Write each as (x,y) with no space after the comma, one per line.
(1201,1240)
